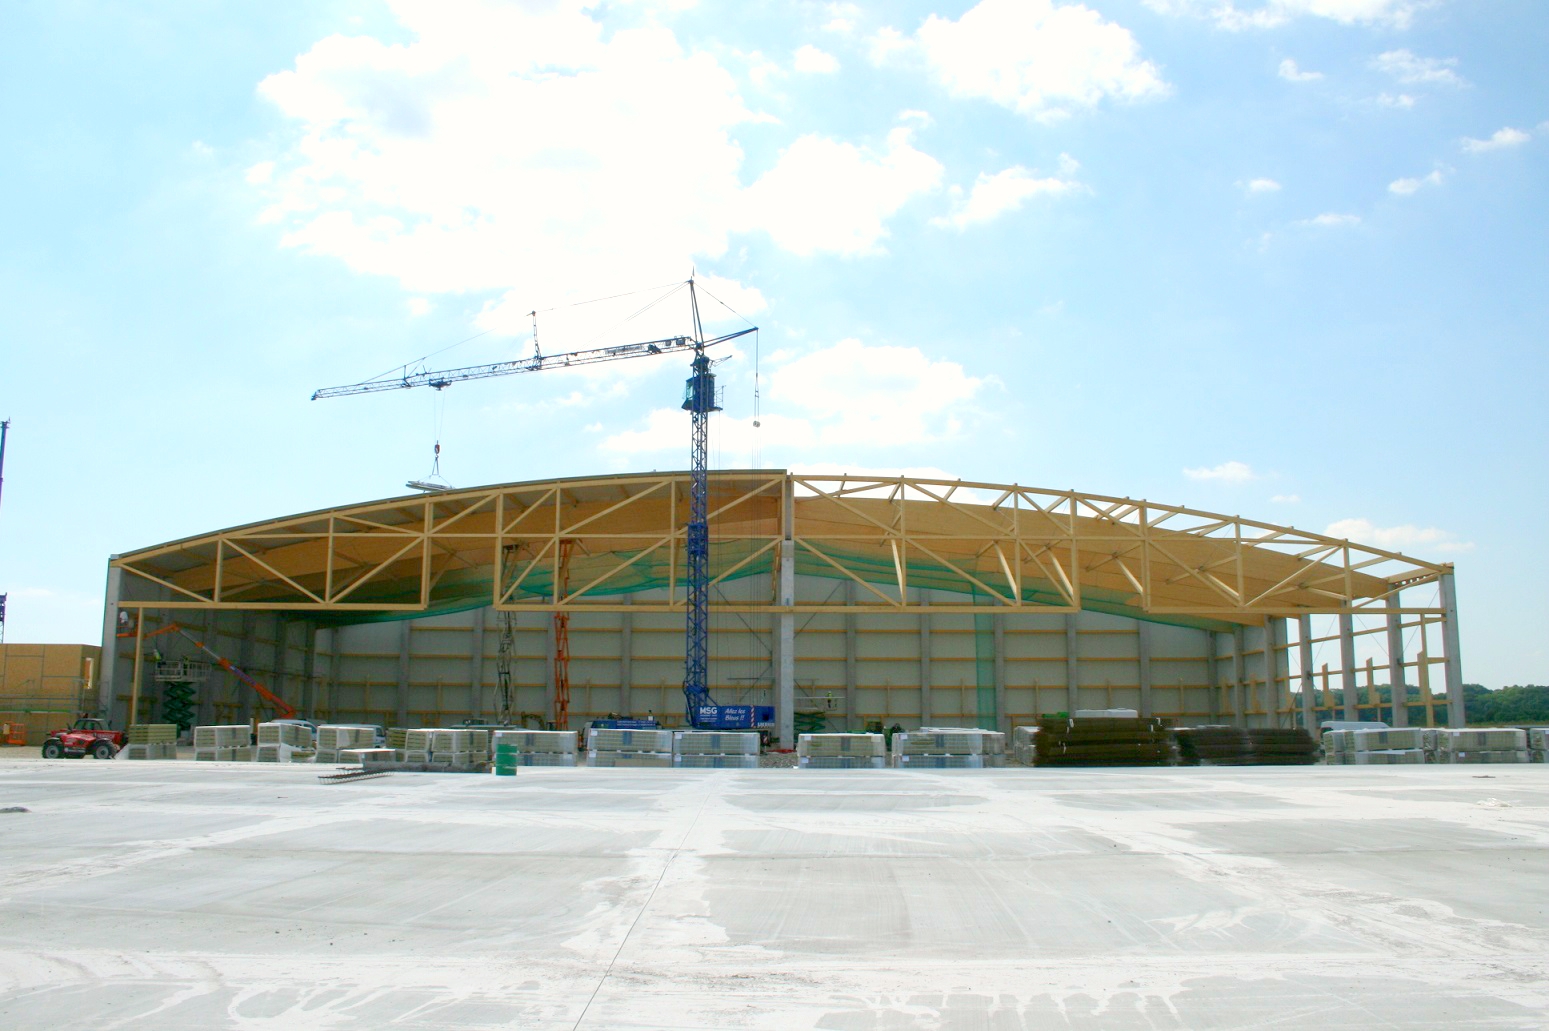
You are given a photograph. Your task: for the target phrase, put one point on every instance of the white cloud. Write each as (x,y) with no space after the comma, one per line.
(1030,56)
(420,306)
(811,60)
(1409,69)
(1399,100)
(841,397)
(995,195)
(1501,139)
(1406,538)
(517,149)
(1406,187)
(1285,499)
(823,195)
(1268,14)
(1261,186)
(1226,472)
(842,18)
(1291,73)
(1331,219)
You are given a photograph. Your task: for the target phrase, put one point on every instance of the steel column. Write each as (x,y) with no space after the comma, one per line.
(1143,664)
(1072,665)
(626,650)
(926,717)
(1239,710)
(1002,723)
(851,659)
(1304,659)
(785,677)
(1453,659)
(107,669)
(476,665)
(405,630)
(1398,689)
(1347,665)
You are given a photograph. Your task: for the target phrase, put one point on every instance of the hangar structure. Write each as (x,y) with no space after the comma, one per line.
(861,598)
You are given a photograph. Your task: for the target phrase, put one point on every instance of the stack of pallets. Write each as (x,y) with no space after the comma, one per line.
(220,744)
(1213,746)
(284,743)
(536,747)
(1538,744)
(333,738)
(841,752)
(606,746)
(1102,741)
(152,741)
(715,749)
(1482,745)
(1392,747)
(1022,748)
(949,748)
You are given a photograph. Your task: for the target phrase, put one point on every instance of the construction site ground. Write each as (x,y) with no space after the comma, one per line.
(182,895)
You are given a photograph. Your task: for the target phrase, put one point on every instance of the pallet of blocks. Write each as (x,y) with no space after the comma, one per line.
(1393,746)
(333,738)
(609,747)
(949,748)
(364,755)
(1482,745)
(1538,744)
(841,752)
(533,748)
(396,739)
(220,744)
(280,742)
(715,749)
(1022,744)
(1280,746)
(1102,741)
(1338,746)
(151,741)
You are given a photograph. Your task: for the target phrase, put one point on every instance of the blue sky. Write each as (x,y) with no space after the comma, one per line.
(1282,258)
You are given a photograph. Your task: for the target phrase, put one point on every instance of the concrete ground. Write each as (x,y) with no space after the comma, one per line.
(184,895)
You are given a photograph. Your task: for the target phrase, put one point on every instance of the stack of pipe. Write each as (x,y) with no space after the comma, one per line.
(1102,741)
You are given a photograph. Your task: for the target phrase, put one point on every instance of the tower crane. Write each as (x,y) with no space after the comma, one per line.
(698,400)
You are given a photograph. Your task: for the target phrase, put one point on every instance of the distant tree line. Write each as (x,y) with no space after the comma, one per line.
(1519,704)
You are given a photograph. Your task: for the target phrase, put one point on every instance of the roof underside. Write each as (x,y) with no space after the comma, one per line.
(582,543)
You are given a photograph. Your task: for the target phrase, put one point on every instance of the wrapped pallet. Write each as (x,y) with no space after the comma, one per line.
(1338,747)
(715,750)
(949,748)
(1538,744)
(1022,744)
(841,751)
(293,735)
(610,747)
(1482,745)
(1388,757)
(282,753)
(514,748)
(226,736)
(333,738)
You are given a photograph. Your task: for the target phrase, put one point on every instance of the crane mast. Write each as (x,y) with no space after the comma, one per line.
(699,401)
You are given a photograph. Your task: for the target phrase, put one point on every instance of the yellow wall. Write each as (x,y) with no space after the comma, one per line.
(45,686)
